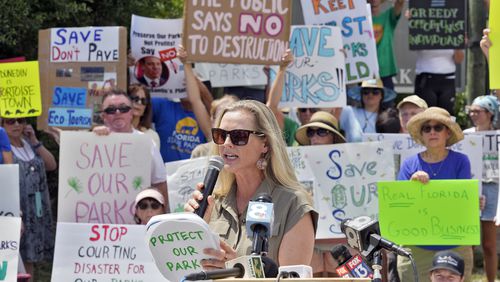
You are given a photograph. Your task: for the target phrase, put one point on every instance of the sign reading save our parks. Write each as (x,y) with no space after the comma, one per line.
(441,212)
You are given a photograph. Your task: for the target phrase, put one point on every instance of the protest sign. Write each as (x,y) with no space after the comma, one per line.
(225,75)
(9,202)
(237,32)
(345,178)
(357,34)
(182,177)
(153,44)
(177,241)
(412,213)
(490,139)
(437,24)
(74,61)
(20,90)
(316,78)
(99,176)
(494,51)
(102,252)
(9,252)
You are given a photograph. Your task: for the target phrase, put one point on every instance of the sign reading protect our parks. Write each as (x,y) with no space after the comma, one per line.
(437,24)
(236,31)
(442,212)
(20,90)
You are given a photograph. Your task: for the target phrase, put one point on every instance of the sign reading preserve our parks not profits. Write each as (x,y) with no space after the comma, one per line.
(236,31)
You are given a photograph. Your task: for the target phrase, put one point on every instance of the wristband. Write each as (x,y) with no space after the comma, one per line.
(38,145)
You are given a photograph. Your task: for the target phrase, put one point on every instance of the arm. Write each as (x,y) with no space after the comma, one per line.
(7,157)
(485,43)
(194,96)
(291,253)
(398,7)
(458,56)
(47,157)
(277,88)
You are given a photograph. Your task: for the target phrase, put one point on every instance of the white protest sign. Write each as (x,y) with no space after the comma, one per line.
(405,146)
(317,76)
(357,32)
(225,75)
(153,43)
(491,139)
(176,242)
(9,202)
(99,176)
(346,176)
(182,177)
(9,252)
(84,44)
(102,252)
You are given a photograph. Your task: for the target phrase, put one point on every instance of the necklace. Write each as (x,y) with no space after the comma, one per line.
(432,171)
(367,118)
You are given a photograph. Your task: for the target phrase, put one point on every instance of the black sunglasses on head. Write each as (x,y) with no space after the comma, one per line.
(111,110)
(139,100)
(11,121)
(239,137)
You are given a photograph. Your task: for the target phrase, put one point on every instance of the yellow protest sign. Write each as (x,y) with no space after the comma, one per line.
(20,90)
(494,55)
(442,212)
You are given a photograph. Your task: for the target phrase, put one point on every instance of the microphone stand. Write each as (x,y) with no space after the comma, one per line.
(377,266)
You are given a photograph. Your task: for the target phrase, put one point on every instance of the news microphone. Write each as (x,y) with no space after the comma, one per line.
(237,271)
(296,271)
(270,267)
(259,221)
(350,266)
(215,164)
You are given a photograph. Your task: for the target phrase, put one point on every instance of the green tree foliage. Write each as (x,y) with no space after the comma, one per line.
(20,20)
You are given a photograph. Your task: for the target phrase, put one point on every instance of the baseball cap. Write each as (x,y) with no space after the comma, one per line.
(149,193)
(448,260)
(415,100)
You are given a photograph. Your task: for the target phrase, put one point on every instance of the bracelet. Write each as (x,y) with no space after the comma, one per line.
(38,145)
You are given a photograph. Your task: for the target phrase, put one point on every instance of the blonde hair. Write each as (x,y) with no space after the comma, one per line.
(279,169)
(217,104)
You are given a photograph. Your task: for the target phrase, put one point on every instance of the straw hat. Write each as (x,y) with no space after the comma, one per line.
(437,114)
(415,100)
(355,92)
(319,119)
(149,193)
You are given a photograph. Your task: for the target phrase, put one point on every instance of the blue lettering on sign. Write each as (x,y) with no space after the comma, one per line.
(76,37)
(69,117)
(3,270)
(69,97)
(303,41)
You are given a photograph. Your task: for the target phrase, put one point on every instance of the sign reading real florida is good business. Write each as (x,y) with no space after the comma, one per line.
(437,24)
(236,31)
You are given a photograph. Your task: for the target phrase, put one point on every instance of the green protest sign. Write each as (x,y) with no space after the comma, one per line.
(442,212)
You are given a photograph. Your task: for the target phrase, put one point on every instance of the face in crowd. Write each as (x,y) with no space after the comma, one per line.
(434,134)
(117,114)
(372,97)
(146,209)
(406,112)
(152,67)
(304,114)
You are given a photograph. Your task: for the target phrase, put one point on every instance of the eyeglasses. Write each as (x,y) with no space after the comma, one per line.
(476,112)
(154,205)
(374,91)
(111,110)
(319,131)
(239,137)
(311,110)
(11,121)
(139,100)
(437,128)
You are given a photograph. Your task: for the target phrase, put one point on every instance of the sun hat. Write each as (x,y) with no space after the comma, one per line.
(441,115)
(415,100)
(448,260)
(488,102)
(319,119)
(376,83)
(149,193)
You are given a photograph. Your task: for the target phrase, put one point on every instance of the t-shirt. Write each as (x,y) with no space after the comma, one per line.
(289,131)
(4,143)
(366,120)
(350,125)
(158,172)
(383,28)
(178,129)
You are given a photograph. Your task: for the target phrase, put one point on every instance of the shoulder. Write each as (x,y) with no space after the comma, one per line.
(454,155)
(469,130)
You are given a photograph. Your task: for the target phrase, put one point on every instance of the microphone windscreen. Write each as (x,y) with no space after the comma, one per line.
(340,253)
(270,267)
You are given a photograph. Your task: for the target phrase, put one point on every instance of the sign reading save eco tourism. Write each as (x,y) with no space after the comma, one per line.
(102,252)
(437,24)
(441,212)
(20,90)
(99,176)
(236,31)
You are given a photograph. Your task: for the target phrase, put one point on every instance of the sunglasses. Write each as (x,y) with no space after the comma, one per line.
(311,110)
(319,131)
(111,110)
(374,91)
(239,137)
(154,205)
(139,100)
(437,128)
(11,121)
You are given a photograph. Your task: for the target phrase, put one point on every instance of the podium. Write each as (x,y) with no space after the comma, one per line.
(299,280)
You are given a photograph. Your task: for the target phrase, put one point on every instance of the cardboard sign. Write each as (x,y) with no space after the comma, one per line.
(9,202)
(442,212)
(344,183)
(9,253)
(20,90)
(494,51)
(102,252)
(237,32)
(225,75)
(317,76)
(437,24)
(491,139)
(99,176)
(353,17)
(153,44)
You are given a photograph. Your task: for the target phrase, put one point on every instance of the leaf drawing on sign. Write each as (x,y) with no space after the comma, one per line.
(137,182)
(75,184)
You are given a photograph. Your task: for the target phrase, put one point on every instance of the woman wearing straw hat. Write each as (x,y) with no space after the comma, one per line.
(484,114)
(435,130)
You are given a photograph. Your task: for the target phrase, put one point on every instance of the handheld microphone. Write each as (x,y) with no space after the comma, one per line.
(215,164)
(237,271)
(259,221)
(350,266)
